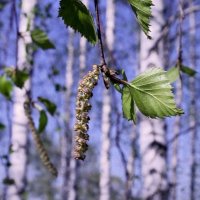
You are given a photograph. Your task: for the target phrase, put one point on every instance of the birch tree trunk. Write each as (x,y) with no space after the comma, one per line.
(66,139)
(192,112)
(152,135)
(174,192)
(130,166)
(19,137)
(106,112)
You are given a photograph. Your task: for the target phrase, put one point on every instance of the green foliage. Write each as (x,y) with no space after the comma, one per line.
(60,88)
(152,94)
(2,126)
(172,74)
(50,106)
(76,15)
(187,70)
(117,87)
(3,4)
(19,77)
(142,10)
(41,39)
(5,87)
(128,104)
(8,181)
(43,120)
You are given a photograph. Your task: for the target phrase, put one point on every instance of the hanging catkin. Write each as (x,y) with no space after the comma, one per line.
(83,107)
(39,145)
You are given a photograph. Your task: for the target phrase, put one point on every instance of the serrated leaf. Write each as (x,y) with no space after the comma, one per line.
(50,106)
(43,120)
(40,38)
(2,126)
(128,104)
(142,10)
(5,87)
(76,15)
(152,94)
(172,74)
(19,77)
(187,70)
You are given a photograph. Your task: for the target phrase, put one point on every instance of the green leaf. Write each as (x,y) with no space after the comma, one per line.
(152,94)
(5,87)
(76,15)
(19,77)
(117,87)
(172,74)
(50,106)
(2,126)
(43,120)
(8,181)
(128,104)
(124,75)
(3,3)
(187,70)
(142,10)
(41,39)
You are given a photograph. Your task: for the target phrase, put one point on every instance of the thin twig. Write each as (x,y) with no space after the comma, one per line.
(96,3)
(17,31)
(180,48)
(117,141)
(103,66)
(165,28)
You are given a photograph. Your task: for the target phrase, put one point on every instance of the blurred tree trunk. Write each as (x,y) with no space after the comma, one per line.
(19,136)
(152,134)
(192,111)
(66,139)
(130,166)
(106,111)
(177,122)
(176,130)
(74,164)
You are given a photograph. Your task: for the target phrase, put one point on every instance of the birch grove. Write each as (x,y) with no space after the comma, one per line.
(110,90)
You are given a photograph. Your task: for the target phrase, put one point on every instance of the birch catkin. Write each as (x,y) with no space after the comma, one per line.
(39,145)
(83,107)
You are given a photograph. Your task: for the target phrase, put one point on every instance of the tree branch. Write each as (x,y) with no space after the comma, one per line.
(96,4)
(171,20)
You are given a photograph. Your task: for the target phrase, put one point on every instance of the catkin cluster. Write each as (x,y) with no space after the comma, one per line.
(83,106)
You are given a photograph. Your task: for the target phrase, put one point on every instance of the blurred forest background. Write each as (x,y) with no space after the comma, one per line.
(152,160)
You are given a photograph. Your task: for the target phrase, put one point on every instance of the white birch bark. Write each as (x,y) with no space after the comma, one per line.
(106,112)
(66,139)
(19,135)
(105,148)
(152,136)
(176,130)
(83,49)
